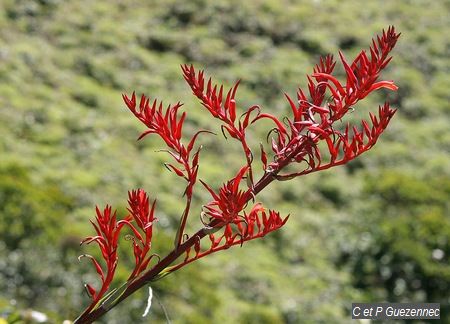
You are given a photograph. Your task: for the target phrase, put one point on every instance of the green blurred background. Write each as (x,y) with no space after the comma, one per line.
(376,230)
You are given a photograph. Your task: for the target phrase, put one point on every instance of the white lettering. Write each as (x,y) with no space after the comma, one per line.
(379,310)
(389,311)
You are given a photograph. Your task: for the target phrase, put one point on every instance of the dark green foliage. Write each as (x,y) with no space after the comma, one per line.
(31,212)
(405,254)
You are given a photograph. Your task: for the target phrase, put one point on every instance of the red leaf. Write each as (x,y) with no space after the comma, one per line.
(237,179)
(351,78)
(293,107)
(194,138)
(233,132)
(90,290)
(176,170)
(280,126)
(247,115)
(131,103)
(263,157)
(383,84)
(331,78)
(195,158)
(213,194)
(180,126)
(197,247)
(97,266)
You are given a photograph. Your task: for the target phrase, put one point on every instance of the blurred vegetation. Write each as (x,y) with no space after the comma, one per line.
(377,229)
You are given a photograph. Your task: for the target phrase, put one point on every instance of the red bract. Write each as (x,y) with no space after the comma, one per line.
(222,108)
(247,227)
(168,125)
(107,230)
(144,217)
(212,97)
(229,202)
(313,120)
(226,220)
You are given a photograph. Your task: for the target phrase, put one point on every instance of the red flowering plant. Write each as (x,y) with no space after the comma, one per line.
(227,220)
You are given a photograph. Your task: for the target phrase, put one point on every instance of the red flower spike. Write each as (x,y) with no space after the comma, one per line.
(229,202)
(295,139)
(212,96)
(144,216)
(168,125)
(224,110)
(107,230)
(310,116)
(254,225)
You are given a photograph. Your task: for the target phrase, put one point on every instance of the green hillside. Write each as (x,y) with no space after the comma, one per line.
(377,229)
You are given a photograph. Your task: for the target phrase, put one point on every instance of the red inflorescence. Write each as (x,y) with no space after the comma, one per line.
(313,119)
(229,202)
(144,216)
(107,230)
(295,141)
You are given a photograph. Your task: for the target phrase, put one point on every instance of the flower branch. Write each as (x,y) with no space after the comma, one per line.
(227,220)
